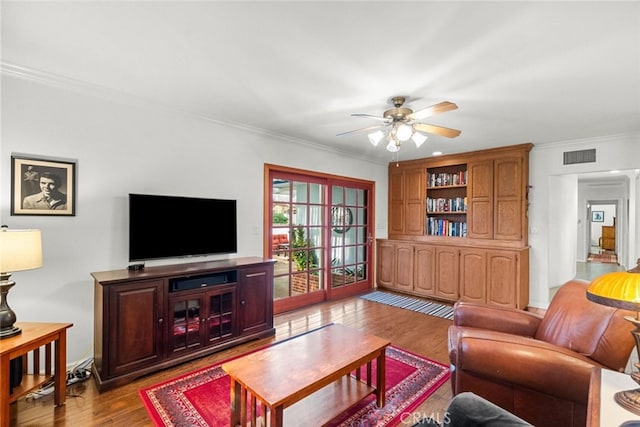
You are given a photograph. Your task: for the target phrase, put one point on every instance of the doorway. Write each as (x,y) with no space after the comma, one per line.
(602,231)
(318,227)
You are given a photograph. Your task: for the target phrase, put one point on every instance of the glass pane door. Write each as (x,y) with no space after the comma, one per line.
(349,236)
(297,236)
(320,237)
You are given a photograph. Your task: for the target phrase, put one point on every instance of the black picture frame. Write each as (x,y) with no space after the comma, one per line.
(597,216)
(29,174)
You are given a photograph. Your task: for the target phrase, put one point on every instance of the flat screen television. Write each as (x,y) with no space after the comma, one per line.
(174,227)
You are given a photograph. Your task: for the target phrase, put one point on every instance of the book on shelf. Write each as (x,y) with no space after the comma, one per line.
(444,179)
(445,227)
(440,204)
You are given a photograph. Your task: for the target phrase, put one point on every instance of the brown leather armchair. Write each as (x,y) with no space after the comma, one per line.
(538,367)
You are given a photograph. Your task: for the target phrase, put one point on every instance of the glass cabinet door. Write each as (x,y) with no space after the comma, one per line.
(202,318)
(220,321)
(186,323)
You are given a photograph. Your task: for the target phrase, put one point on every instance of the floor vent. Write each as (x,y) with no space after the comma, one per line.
(581,156)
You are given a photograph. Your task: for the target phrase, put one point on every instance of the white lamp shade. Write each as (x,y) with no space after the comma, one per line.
(404,132)
(376,137)
(419,138)
(393,147)
(20,250)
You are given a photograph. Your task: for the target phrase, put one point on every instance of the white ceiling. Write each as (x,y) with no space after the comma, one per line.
(538,72)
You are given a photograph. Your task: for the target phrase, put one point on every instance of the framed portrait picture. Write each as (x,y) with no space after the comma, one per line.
(42,187)
(597,216)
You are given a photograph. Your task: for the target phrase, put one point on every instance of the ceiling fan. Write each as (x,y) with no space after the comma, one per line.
(399,124)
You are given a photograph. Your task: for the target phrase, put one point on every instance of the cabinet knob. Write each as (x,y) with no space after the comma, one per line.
(243,302)
(160,320)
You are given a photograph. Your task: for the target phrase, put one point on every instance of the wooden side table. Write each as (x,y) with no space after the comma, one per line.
(602,406)
(34,336)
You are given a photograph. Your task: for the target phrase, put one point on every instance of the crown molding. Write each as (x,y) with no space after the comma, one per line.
(66,83)
(573,143)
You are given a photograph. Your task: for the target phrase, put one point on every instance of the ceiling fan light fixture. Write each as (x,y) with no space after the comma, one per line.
(404,132)
(376,137)
(399,124)
(419,138)
(393,146)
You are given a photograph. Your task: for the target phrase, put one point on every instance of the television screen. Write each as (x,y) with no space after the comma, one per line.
(173,226)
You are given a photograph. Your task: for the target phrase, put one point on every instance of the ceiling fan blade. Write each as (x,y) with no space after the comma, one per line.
(438,130)
(438,108)
(361,130)
(371,117)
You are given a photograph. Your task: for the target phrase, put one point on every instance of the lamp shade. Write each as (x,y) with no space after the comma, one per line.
(619,289)
(393,146)
(419,138)
(20,250)
(404,132)
(376,137)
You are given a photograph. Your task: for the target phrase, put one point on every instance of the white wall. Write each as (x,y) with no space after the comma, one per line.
(562,244)
(124,147)
(547,200)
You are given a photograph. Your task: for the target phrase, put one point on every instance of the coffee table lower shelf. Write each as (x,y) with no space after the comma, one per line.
(327,403)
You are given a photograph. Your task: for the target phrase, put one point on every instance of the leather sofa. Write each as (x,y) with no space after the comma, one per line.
(538,367)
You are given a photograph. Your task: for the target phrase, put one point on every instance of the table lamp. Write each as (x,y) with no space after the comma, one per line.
(621,289)
(19,250)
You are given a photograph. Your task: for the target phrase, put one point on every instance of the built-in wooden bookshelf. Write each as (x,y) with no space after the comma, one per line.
(447,201)
(458,227)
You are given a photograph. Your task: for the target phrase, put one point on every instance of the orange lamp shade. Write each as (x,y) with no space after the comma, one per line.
(619,289)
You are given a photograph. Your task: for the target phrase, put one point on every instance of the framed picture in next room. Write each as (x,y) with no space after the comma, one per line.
(41,186)
(597,216)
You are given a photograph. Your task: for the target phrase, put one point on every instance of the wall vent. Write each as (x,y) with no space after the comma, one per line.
(580,156)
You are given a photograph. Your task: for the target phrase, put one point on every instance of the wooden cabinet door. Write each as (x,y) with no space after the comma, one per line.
(256,299)
(424,259)
(415,195)
(407,201)
(447,271)
(509,201)
(473,275)
(480,200)
(385,262)
(403,266)
(396,202)
(135,326)
(502,277)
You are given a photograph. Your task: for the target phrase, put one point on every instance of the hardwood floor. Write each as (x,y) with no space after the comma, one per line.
(416,332)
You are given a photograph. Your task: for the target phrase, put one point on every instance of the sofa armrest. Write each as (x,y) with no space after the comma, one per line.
(501,319)
(522,361)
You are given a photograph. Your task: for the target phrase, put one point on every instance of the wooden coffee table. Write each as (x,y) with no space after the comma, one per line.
(306,380)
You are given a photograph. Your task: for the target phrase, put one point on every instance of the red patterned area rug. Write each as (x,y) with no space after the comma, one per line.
(201,398)
(605,258)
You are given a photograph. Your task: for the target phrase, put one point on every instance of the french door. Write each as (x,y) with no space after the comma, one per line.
(318,230)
